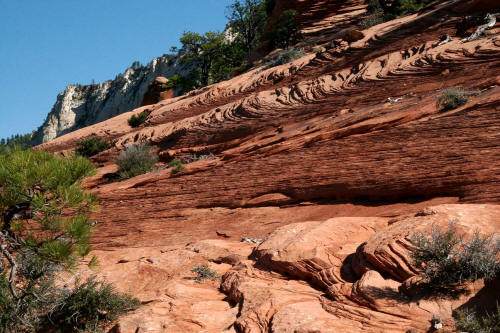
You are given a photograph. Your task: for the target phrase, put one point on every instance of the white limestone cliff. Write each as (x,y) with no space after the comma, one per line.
(83,105)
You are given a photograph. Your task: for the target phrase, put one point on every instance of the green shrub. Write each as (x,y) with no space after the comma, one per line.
(452,98)
(176,166)
(90,303)
(318,49)
(284,57)
(204,272)
(91,146)
(447,260)
(135,160)
(139,119)
(468,321)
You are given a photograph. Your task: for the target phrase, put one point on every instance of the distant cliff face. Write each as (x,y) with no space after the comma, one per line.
(83,105)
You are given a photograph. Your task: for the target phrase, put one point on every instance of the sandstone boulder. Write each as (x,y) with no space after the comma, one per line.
(316,251)
(389,250)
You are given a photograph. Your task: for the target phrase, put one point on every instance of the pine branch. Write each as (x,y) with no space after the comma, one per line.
(13,270)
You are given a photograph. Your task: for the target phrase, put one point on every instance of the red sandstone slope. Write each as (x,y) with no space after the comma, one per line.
(307,148)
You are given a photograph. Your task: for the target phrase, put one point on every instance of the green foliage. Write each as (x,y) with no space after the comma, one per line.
(18,140)
(135,160)
(139,119)
(447,260)
(230,59)
(7,305)
(204,272)
(176,166)
(37,241)
(452,98)
(89,303)
(182,84)
(468,321)
(214,57)
(285,31)
(201,51)
(284,57)
(91,146)
(247,19)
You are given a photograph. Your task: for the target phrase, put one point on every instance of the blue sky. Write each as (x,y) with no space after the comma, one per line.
(48,44)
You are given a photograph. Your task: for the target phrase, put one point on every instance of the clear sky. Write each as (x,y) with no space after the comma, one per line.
(48,44)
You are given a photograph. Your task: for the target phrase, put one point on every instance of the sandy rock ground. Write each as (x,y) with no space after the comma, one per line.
(325,166)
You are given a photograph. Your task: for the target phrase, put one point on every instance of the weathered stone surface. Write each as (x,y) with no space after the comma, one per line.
(389,249)
(157,91)
(371,303)
(84,105)
(332,160)
(316,251)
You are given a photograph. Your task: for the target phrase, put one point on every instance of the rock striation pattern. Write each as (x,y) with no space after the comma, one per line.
(305,181)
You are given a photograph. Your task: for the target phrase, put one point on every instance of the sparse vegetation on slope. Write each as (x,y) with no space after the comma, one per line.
(452,98)
(284,57)
(91,146)
(176,166)
(135,160)
(447,260)
(139,119)
(469,321)
(90,303)
(204,272)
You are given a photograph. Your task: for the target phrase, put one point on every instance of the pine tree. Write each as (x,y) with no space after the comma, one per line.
(44,229)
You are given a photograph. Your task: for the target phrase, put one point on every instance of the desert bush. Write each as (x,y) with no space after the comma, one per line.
(194,157)
(204,272)
(176,166)
(452,98)
(139,119)
(284,57)
(135,160)
(89,303)
(447,260)
(91,146)
(318,49)
(468,321)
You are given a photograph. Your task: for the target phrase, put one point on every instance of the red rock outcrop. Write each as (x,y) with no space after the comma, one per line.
(157,91)
(332,160)
(324,254)
(389,250)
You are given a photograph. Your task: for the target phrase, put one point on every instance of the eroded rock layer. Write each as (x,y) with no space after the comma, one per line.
(324,167)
